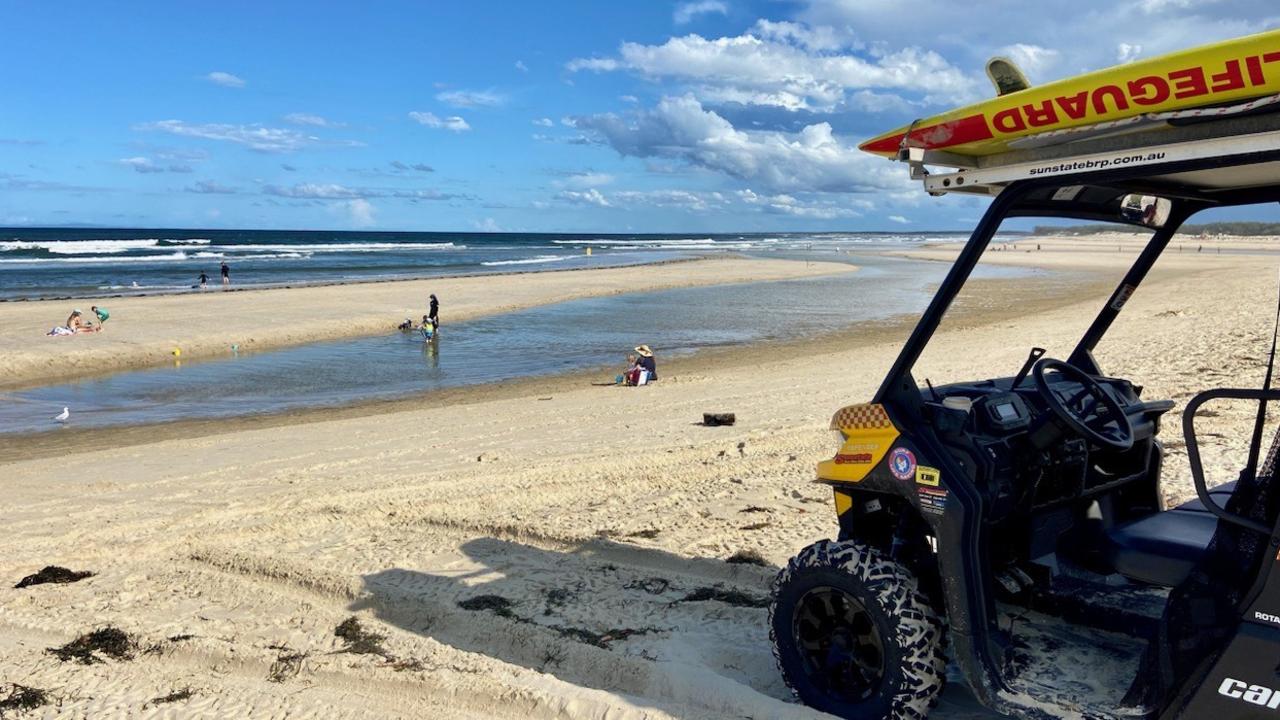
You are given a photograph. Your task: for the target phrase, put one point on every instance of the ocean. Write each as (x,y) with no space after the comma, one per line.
(38,263)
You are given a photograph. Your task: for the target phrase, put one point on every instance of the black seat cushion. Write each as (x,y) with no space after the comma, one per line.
(1163,547)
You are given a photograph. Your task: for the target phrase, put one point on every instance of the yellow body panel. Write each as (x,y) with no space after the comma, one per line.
(1225,72)
(868,436)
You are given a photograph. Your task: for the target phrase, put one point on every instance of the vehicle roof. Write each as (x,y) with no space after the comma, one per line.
(1211,162)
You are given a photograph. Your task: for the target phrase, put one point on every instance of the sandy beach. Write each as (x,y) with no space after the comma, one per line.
(145,331)
(553,550)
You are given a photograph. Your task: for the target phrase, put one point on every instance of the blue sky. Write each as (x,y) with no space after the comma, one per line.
(700,116)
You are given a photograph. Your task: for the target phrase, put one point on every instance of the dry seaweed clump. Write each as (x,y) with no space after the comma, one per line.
(21,698)
(726,596)
(53,574)
(749,557)
(495,604)
(359,640)
(185,693)
(110,641)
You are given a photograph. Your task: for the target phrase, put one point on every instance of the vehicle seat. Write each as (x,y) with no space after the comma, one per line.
(1162,548)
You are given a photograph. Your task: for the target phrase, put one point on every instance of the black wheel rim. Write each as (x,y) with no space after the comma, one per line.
(839,644)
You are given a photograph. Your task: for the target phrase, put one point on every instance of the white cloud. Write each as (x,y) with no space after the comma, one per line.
(452,123)
(146,165)
(1086,37)
(679,199)
(899,219)
(1127,53)
(361,212)
(312,120)
(488,225)
(210,187)
(629,99)
(810,160)
(254,137)
(686,12)
(586,197)
(1035,61)
(585,180)
(544,122)
(521,66)
(334,191)
(784,204)
(225,79)
(471,98)
(789,66)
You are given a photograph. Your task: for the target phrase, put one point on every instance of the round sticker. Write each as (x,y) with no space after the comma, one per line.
(902,463)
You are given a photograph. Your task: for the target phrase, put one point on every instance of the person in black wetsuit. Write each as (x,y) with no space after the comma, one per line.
(647,362)
(434,313)
(204,279)
(226,275)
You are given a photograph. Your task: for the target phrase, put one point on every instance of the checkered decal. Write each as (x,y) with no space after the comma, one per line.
(861,417)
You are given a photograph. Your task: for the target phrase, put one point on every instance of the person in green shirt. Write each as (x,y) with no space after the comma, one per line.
(102,314)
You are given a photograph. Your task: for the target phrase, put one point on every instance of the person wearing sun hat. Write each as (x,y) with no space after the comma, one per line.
(646,362)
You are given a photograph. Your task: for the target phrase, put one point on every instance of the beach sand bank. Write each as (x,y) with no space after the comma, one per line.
(145,331)
(538,553)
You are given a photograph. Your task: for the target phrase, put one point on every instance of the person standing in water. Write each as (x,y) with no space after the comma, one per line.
(226,274)
(434,312)
(204,279)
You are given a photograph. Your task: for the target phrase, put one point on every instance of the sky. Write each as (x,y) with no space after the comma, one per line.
(646,116)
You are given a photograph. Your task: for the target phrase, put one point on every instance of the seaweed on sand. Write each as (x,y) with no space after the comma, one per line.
(748,557)
(495,604)
(185,693)
(359,640)
(287,664)
(21,698)
(53,574)
(736,598)
(110,641)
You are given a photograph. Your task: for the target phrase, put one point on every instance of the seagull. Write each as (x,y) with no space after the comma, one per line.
(62,416)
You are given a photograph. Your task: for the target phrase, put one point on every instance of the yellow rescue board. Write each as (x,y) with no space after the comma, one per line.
(1226,72)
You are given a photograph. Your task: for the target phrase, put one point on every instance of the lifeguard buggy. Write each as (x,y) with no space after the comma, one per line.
(1013,524)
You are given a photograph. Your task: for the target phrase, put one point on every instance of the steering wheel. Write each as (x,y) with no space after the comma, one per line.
(1091,412)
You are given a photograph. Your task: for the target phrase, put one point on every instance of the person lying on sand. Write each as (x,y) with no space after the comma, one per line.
(77,324)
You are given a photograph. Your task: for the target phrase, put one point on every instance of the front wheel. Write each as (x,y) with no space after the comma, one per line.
(854,636)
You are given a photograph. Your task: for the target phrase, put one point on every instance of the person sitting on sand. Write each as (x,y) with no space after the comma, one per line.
(76,323)
(102,314)
(628,376)
(647,364)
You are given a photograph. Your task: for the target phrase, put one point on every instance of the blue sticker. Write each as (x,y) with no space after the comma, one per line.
(902,463)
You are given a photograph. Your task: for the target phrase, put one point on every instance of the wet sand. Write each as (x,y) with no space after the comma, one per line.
(530,551)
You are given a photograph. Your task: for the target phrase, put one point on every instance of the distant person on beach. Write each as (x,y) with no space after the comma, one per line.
(406,325)
(648,366)
(428,328)
(204,280)
(434,312)
(102,314)
(629,375)
(76,323)
(226,275)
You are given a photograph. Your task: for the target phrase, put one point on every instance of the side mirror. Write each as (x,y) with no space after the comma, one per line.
(1147,210)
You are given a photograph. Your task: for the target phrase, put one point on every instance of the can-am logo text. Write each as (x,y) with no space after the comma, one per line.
(1255,694)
